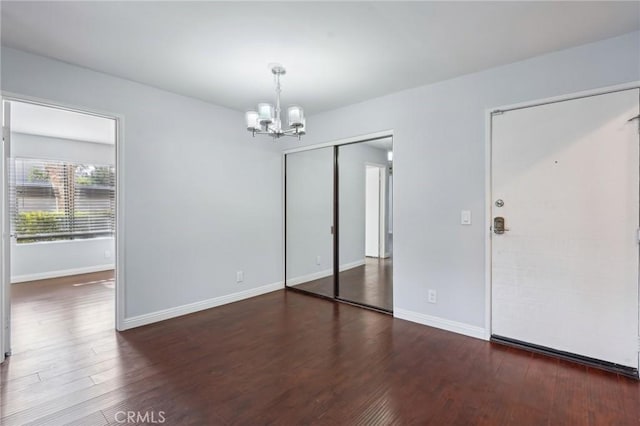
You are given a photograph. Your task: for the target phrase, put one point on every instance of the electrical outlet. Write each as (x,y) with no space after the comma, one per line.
(107,254)
(318,260)
(433,296)
(239,276)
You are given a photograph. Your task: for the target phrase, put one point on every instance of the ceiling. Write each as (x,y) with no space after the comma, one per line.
(385,144)
(336,53)
(60,123)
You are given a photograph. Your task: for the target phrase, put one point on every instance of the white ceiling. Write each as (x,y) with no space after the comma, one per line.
(385,144)
(336,53)
(59,123)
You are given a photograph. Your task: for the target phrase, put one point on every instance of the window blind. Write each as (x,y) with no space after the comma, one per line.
(57,200)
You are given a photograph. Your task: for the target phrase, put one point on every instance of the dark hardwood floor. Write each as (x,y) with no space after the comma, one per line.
(284,359)
(370,284)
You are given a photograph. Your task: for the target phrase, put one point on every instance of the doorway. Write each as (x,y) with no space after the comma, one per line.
(564,232)
(60,223)
(337,231)
(375,194)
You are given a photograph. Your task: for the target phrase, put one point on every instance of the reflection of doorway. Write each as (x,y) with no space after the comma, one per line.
(375,194)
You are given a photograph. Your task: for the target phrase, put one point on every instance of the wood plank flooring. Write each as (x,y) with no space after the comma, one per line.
(371,284)
(283,359)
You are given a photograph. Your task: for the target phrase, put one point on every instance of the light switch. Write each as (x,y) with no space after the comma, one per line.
(465,217)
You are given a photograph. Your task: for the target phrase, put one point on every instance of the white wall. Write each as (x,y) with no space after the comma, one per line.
(439,167)
(202,198)
(34,261)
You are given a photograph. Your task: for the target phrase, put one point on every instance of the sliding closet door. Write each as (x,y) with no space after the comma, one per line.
(309,220)
(364,245)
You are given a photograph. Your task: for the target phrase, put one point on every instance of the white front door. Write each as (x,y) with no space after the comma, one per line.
(565,271)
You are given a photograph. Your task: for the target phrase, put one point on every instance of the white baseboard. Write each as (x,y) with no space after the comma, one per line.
(190,308)
(323,273)
(444,324)
(60,273)
(310,277)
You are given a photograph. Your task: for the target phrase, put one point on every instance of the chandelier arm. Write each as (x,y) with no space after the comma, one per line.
(278,90)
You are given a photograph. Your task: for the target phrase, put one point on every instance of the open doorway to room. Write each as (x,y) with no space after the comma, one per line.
(60,210)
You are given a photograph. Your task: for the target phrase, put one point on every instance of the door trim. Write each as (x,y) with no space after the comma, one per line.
(382,210)
(489,112)
(5,241)
(120,283)
(345,141)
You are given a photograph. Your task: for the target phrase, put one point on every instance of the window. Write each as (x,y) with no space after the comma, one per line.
(58,200)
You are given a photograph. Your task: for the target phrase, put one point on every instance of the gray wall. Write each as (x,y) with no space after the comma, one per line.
(57,258)
(439,164)
(309,214)
(38,261)
(35,146)
(352,160)
(202,198)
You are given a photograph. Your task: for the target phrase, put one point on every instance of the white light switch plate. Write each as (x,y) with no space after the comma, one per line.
(465,217)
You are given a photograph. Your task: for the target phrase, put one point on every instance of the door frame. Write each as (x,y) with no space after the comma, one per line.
(120,284)
(382,209)
(335,143)
(5,242)
(489,113)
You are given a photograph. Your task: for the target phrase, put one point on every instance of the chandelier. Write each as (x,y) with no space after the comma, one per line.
(267,120)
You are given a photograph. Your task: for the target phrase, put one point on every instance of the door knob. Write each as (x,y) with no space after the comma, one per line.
(498,225)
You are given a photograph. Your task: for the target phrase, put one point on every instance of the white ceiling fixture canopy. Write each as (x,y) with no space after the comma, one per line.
(268,121)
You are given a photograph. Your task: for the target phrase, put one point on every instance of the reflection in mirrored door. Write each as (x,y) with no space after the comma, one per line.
(309,220)
(365,239)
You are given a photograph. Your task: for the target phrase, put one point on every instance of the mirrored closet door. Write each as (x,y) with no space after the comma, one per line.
(309,184)
(364,238)
(338,222)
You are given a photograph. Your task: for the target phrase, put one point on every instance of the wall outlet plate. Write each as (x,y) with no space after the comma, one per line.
(239,276)
(432,296)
